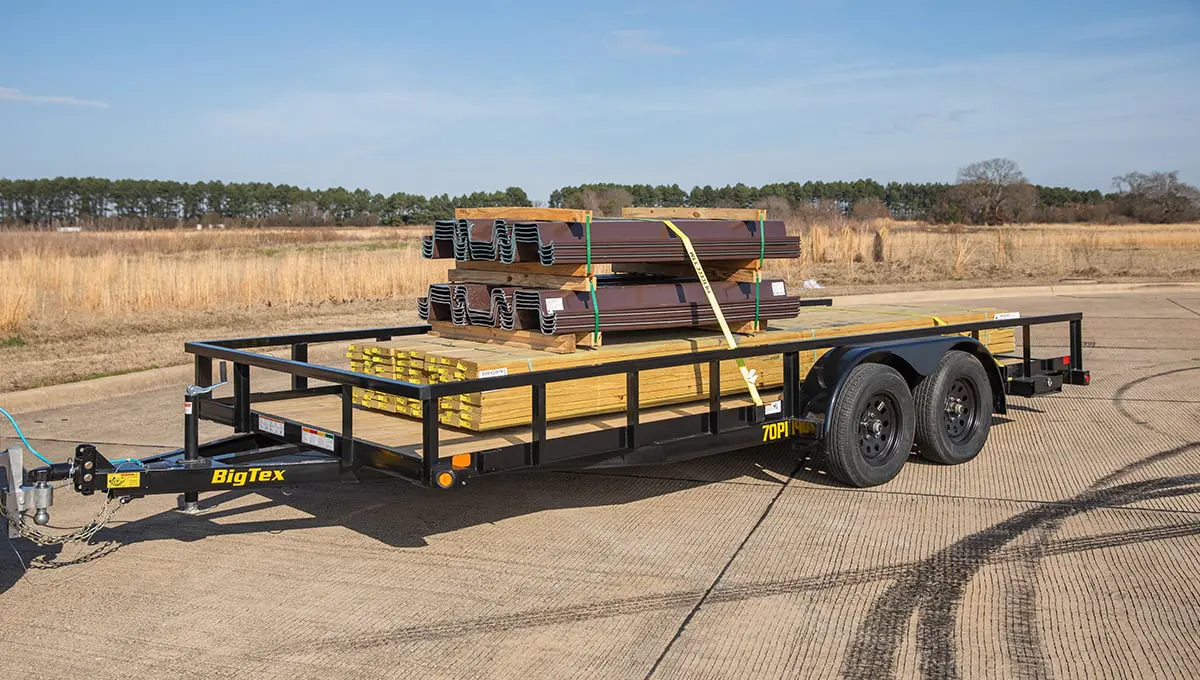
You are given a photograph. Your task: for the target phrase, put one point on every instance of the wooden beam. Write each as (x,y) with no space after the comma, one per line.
(721,270)
(694,213)
(519,280)
(532,268)
(557,344)
(523,214)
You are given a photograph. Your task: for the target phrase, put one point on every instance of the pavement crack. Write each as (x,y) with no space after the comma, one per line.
(1183,306)
(721,574)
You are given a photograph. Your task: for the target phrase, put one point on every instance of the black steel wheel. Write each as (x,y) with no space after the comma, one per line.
(871,427)
(954,410)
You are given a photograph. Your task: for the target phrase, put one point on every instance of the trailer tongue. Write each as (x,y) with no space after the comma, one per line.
(865,403)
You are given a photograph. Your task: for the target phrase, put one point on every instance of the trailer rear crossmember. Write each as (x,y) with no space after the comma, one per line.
(889,374)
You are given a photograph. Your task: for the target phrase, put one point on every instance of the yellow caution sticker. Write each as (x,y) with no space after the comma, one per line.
(124,480)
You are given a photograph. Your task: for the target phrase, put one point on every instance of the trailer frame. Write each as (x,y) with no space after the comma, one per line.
(270,451)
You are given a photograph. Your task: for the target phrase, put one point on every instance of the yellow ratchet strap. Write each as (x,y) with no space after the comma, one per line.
(712,301)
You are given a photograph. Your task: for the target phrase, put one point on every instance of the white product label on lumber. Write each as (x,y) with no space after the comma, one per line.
(777,288)
(317,438)
(270,426)
(493,372)
(1000,316)
(775,407)
(554,305)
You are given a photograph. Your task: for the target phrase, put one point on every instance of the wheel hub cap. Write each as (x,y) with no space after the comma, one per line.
(962,410)
(877,427)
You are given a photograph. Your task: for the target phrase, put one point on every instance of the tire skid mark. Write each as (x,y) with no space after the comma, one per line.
(1022,629)
(723,594)
(1120,401)
(935,588)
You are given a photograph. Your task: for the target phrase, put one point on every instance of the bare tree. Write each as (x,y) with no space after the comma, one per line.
(995,191)
(605,203)
(1157,197)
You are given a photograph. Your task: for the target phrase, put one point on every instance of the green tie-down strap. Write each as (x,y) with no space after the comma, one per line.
(762,252)
(587,238)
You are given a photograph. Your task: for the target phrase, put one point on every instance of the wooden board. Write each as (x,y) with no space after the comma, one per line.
(521,280)
(523,214)
(532,268)
(560,344)
(694,213)
(723,270)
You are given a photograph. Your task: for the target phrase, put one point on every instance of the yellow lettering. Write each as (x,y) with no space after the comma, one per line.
(241,478)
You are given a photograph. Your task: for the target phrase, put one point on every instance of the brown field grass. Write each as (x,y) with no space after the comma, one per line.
(884,251)
(122,290)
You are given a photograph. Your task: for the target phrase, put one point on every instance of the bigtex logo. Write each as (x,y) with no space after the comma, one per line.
(243,477)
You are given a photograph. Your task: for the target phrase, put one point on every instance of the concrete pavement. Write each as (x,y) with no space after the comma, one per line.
(1067,549)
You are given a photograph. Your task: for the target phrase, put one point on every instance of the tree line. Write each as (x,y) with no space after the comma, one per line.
(993,191)
(155,203)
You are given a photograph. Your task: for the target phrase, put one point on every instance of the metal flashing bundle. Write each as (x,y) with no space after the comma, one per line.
(611,241)
(615,307)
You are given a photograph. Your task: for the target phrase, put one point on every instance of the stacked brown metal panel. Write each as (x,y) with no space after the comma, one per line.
(621,302)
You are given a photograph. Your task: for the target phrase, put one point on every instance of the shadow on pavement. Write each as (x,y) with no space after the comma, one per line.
(400,514)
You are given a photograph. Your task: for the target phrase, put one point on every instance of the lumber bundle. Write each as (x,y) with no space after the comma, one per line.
(432,360)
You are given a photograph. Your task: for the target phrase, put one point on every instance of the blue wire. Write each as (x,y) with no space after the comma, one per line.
(21,435)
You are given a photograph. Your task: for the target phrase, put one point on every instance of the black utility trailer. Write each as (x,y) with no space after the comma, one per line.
(866,403)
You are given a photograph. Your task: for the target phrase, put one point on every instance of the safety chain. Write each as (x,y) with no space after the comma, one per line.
(83,534)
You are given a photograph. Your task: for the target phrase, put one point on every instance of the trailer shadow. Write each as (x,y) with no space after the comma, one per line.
(402,515)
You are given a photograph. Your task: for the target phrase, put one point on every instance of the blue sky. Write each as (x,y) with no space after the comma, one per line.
(432,97)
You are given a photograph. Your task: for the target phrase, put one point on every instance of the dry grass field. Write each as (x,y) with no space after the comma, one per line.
(75,305)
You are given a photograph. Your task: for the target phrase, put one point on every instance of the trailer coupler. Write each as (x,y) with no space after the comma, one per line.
(239,462)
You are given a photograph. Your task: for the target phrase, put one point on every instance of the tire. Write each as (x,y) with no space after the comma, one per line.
(871,427)
(954,410)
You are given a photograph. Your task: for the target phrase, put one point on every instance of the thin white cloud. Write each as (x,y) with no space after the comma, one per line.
(640,41)
(1130,27)
(398,113)
(9,94)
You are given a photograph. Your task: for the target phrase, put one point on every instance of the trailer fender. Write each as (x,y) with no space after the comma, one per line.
(914,359)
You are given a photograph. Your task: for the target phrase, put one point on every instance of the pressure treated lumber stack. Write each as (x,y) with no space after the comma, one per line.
(431,360)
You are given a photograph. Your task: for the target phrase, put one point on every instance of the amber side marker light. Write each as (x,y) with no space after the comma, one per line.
(461,461)
(445,479)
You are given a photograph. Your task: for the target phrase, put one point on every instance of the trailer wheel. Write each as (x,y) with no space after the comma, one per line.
(954,410)
(871,428)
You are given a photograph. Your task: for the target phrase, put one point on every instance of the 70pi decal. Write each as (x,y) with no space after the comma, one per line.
(786,428)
